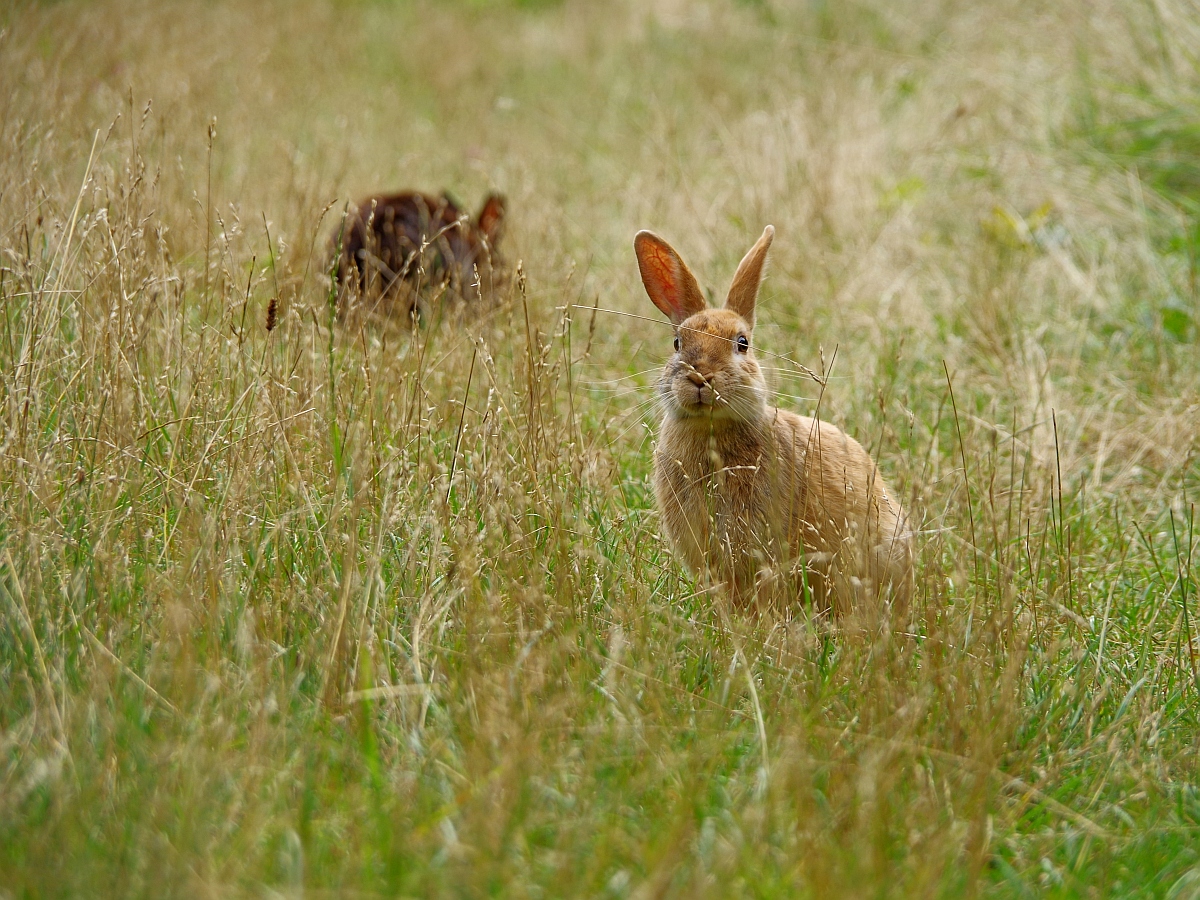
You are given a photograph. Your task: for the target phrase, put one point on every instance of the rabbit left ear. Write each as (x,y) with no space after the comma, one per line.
(670,284)
(743,293)
(491,218)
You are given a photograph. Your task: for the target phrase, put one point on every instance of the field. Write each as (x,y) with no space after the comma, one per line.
(294,608)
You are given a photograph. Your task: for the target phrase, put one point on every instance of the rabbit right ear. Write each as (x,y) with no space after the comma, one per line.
(671,285)
(743,293)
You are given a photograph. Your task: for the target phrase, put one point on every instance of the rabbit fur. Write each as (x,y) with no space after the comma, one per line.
(393,245)
(765,501)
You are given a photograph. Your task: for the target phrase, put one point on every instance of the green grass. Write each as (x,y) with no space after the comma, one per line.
(255,640)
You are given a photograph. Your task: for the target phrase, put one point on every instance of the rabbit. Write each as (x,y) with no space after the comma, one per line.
(393,245)
(771,504)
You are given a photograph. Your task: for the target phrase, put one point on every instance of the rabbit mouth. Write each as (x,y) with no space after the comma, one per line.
(698,396)
(700,400)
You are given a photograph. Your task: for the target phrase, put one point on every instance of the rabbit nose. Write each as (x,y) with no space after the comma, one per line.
(698,379)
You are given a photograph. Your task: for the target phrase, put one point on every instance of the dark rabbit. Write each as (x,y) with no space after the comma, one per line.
(399,250)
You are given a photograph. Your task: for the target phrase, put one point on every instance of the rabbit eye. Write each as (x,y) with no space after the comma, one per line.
(743,343)
(676,343)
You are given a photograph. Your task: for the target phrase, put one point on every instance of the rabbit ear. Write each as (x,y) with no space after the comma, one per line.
(668,281)
(744,291)
(491,217)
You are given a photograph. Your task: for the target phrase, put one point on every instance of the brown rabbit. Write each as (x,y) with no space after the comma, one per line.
(763,500)
(395,245)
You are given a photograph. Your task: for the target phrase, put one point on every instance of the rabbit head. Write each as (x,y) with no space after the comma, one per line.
(713,372)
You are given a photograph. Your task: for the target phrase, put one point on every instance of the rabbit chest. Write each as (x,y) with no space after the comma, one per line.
(713,487)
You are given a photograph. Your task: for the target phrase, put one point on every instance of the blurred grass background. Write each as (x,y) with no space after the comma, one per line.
(357,612)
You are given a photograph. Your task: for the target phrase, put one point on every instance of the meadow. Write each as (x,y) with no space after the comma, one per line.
(294,608)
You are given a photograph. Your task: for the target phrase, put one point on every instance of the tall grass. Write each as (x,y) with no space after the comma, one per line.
(353,610)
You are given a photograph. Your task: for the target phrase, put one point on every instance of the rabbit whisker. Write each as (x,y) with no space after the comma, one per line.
(819,379)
